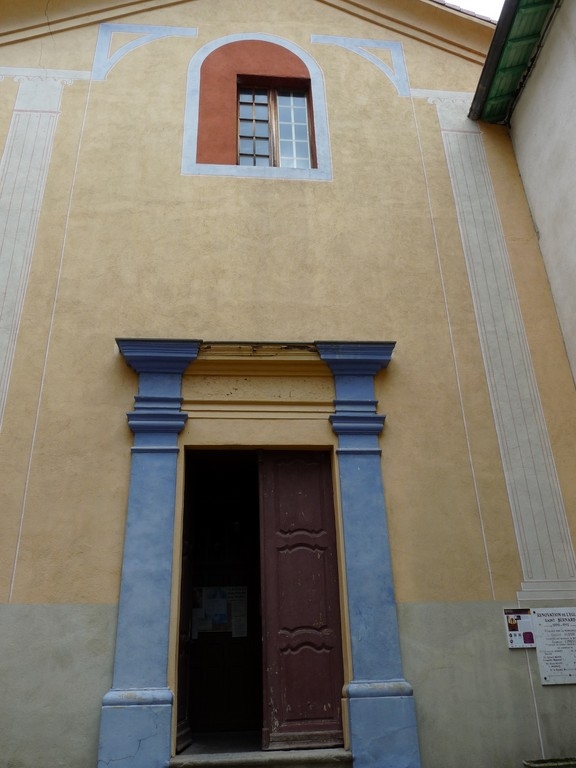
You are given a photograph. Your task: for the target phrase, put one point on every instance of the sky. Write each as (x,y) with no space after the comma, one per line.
(490,8)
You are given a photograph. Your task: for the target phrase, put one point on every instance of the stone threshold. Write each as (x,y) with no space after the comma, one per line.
(294,758)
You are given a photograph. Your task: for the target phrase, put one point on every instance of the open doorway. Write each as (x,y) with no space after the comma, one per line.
(260,648)
(220,655)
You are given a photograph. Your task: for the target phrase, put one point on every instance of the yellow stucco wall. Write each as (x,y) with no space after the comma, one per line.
(127,246)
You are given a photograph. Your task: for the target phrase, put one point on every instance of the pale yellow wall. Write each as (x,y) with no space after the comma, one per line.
(127,246)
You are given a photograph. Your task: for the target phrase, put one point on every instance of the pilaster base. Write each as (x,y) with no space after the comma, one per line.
(135,729)
(534,591)
(383,731)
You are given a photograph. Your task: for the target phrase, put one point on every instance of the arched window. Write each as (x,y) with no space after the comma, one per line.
(256,108)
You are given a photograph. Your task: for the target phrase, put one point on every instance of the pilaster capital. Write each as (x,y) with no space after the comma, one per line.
(159,355)
(354,365)
(357,423)
(160,364)
(452,107)
(159,421)
(356,358)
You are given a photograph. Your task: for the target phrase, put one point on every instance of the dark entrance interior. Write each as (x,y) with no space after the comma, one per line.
(220,656)
(260,618)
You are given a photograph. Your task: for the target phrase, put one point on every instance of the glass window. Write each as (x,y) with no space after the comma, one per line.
(273,128)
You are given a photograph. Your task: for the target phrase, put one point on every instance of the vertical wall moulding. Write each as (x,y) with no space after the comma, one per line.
(381,706)
(135,730)
(23,172)
(544,542)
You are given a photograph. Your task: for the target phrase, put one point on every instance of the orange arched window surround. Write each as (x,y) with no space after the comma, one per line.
(219,76)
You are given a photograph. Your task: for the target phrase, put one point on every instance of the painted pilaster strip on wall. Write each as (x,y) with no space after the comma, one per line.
(135,730)
(23,171)
(383,728)
(546,550)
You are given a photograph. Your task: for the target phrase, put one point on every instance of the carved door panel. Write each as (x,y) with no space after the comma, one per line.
(302,655)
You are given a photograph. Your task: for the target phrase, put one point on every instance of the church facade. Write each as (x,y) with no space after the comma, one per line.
(287,421)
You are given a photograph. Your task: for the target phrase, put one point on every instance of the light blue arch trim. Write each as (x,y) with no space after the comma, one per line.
(397,74)
(189,165)
(103,62)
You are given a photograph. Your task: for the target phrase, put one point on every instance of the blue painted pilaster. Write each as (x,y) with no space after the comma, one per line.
(135,729)
(381,707)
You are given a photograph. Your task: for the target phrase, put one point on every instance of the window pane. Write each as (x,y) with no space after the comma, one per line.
(300,115)
(284,114)
(301,149)
(301,132)
(254,128)
(293,130)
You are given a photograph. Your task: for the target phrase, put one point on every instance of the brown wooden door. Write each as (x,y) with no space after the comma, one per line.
(302,655)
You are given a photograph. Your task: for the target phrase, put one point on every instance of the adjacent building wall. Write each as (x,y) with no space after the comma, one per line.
(542,133)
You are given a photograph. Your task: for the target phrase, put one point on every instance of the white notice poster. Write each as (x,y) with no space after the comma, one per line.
(555,630)
(220,609)
(519,630)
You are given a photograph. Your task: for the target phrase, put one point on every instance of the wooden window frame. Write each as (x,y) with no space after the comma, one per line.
(274,86)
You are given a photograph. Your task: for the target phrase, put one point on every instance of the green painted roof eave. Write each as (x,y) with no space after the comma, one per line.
(517,40)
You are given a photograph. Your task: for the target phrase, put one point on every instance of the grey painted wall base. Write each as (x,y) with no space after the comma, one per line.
(478,702)
(55,665)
